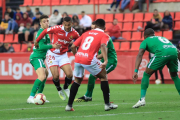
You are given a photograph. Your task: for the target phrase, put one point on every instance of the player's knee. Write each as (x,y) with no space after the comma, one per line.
(173,74)
(42,77)
(46,72)
(69,75)
(56,77)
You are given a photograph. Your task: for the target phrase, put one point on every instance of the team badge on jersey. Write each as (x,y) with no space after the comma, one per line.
(71,37)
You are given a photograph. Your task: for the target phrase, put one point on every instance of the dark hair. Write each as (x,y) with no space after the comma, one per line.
(43,16)
(17,8)
(165,12)
(67,19)
(100,23)
(83,12)
(8,7)
(155,10)
(38,13)
(93,23)
(37,9)
(149,32)
(6,14)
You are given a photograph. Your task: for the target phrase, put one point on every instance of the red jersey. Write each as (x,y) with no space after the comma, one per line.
(60,36)
(89,44)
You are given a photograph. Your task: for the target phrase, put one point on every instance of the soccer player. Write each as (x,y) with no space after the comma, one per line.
(85,58)
(37,58)
(165,53)
(64,35)
(111,65)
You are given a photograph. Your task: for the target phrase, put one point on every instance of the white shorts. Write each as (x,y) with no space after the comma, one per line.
(93,68)
(56,60)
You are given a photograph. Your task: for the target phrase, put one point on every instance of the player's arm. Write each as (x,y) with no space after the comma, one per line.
(76,44)
(43,46)
(178,54)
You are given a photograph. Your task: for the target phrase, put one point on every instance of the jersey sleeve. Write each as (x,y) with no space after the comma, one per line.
(76,35)
(105,40)
(78,41)
(43,46)
(143,45)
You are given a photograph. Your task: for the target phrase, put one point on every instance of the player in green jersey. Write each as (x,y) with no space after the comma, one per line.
(112,63)
(37,58)
(165,53)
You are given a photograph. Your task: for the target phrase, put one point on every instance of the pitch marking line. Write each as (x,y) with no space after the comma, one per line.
(102,115)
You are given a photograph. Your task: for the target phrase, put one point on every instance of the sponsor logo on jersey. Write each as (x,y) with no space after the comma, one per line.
(82,54)
(64,41)
(60,34)
(93,33)
(71,37)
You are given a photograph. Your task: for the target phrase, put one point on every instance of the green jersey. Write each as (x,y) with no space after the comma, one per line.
(44,45)
(112,56)
(159,46)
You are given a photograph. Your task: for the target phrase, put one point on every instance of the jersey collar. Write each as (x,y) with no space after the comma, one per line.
(99,29)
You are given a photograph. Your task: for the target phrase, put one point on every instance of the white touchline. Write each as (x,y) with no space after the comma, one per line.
(94,115)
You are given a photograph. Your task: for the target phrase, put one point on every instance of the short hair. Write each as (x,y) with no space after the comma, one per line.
(37,9)
(149,32)
(67,19)
(155,10)
(93,23)
(43,16)
(38,13)
(8,7)
(17,8)
(100,23)
(83,12)
(28,24)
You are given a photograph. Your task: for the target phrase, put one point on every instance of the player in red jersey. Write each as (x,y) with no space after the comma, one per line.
(86,58)
(64,35)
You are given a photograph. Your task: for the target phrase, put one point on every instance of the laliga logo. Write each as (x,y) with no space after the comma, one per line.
(143,64)
(15,70)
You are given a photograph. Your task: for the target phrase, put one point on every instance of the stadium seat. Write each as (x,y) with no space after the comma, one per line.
(24,46)
(159,0)
(64,2)
(80,16)
(148,16)
(116,45)
(82,2)
(46,2)
(16,38)
(0,3)
(99,16)
(74,2)
(1,37)
(138,17)
(136,25)
(100,2)
(108,18)
(177,25)
(119,17)
(126,35)
(127,26)
(108,25)
(128,17)
(92,16)
(172,15)
(170,0)
(125,46)
(27,2)
(17,47)
(162,14)
(135,45)
(55,2)
(120,25)
(177,16)
(158,33)
(136,36)
(110,1)
(9,38)
(168,35)
(37,3)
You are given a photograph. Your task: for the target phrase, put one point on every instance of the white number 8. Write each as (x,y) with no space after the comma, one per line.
(164,40)
(87,43)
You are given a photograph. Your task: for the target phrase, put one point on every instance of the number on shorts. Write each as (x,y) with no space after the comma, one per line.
(164,40)
(87,43)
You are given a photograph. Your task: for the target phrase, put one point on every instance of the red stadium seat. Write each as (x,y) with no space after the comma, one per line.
(46,2)
(136,36)
(82,2)
(27,2)
(177,25)
(148,16)
(108,25)
(116,45)
(162,14)
(120,25)
(158,33)
(138,17)
(37,3)
(159,0)
(102,1)
(108,18)
(99,16)
(55,2)
(16,38)
(119,17)
(110,1)
(127,26)
(125,46)
(92,16)
(1,38)
(126,35)
(80,16)
(17,47)
(128,17)
(24,46)
(135,45)
(172,15)
(9,38)
(168,35)
(64,2)
(74,2)
(136,25)
(177,16)
(0,3)
(170,0)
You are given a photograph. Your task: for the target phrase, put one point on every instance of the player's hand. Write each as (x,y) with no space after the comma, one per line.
(135,77)
(103,65)
(56,46)
(36,44)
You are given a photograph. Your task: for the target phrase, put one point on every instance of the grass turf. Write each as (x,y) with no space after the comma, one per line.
(162,103)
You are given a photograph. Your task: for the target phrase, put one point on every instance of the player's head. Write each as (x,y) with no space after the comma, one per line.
(93,25)
(44,21)
(67,23)
(148,32)
(100,23)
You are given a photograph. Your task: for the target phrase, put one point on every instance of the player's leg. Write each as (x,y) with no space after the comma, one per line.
(41,87)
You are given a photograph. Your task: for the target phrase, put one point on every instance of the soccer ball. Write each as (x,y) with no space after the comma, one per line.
(39,99)
(158,81)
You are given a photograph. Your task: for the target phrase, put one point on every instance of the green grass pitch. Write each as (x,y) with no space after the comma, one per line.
(162,102)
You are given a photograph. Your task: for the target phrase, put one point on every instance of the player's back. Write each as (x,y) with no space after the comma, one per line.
(90,44)
(160,46)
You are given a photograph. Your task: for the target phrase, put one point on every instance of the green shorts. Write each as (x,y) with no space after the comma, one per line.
(158,62)
(37,63)
(110,67)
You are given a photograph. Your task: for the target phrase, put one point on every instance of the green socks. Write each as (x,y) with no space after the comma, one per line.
(91,83)
(177,83)
(36,85)
(144,84)
(41,87)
